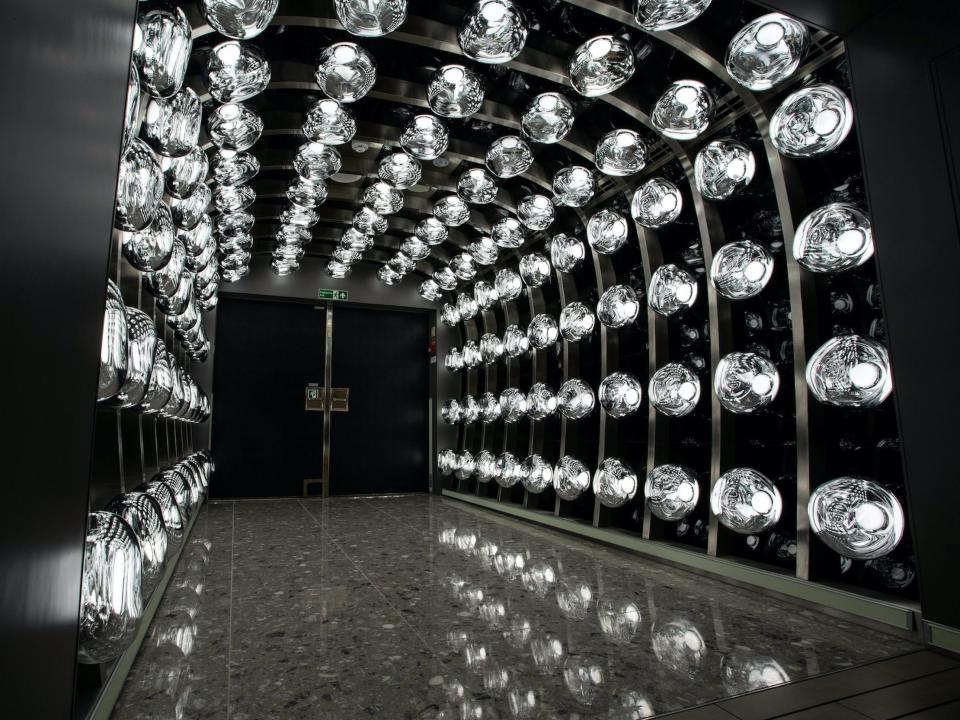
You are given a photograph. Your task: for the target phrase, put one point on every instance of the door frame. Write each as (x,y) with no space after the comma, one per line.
(430,317)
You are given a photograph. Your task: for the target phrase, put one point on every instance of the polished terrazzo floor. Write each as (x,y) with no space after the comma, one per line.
(419,607)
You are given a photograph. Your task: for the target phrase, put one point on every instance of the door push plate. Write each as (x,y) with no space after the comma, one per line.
(339,399)
(317,399)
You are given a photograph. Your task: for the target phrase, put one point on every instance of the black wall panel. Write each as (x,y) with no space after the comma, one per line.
(63,87)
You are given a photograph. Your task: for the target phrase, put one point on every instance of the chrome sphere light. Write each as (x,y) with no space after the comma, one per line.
(656,15)
(541,401)
(614,483)
(536,474)
(383,198)
(239,19)
(149,249)
(723,168)
(369,221)
(547,119)
(740,270)
(173,520)
(166,281)
(139,188)
(141,349)
(171,126)
(508,157)
(431,230)
(353,239)
(471,355)
(234,126)
(113,345)
(315,161)
(330,123)
(131,111)
(465,465)
(183,175)
(620,153)
(111,601)
(489,408)
(463,266)
(453,361)
(570,478)
(345,72)
(513,405)
(566,252)
(515,342)
(371,18)
(850,371)
(493,32)
(743,671)
(163,51)
(477,186)
(188,212)
(856,517)
(576,321)
(671,289)
(143,515)
(618,306)
(234,168)
(766,51)
(508,470)
(445,278)
(451,210)
(455,91)
(485,294)
(425,137)
(542,332)
(746,501)
(415,248)
(607,231)
(486,466)
(400,170)
(833,238)
(491,348)
(574,186)
(684,111)
(812,121)
(236,71)
(671,491)
(470,411)
(309,194)
(674,390)
(745,382)
(508,233)
(620,394)
(600,66)
(656,203)
(536,212)
(575,399)
(388,276)
(451,412)
(161,381)
(509,285)
(447,461)
(534,269)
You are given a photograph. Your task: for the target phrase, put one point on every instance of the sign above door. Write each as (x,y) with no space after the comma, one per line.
(325,294)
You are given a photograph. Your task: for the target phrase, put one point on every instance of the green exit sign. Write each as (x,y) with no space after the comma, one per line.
(324,294)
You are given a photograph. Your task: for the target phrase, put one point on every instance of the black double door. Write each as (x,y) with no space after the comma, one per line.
(271,357)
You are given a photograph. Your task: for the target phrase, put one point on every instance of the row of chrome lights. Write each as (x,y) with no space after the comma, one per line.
(138,371)
(126,549)
(854,516)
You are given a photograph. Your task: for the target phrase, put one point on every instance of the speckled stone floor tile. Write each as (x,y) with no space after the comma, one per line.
(418,607)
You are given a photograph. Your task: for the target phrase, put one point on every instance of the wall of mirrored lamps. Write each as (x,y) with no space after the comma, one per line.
(679,335)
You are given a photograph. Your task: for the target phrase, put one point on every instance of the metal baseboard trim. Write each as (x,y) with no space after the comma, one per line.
(110,692)
(902,616)
(942,636)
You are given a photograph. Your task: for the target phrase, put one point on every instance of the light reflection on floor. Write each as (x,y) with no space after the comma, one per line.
(417,607)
